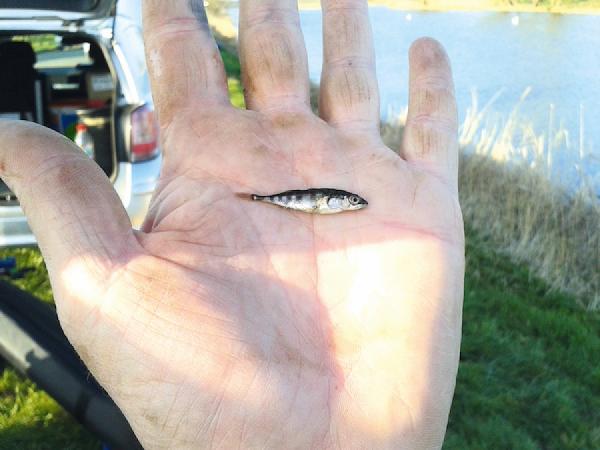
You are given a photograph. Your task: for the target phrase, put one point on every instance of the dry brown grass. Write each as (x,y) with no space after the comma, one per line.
(508,197)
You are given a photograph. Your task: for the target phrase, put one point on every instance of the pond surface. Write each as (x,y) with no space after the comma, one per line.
(557,56)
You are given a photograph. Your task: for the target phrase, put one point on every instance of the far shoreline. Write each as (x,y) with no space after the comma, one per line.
(468,6)
(221,22)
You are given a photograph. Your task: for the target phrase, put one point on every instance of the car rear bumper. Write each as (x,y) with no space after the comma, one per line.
(134,184)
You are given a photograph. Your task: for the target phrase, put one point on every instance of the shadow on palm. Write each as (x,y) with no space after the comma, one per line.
(209,347)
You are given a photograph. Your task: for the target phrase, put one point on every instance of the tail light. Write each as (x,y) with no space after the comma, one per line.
(144,134)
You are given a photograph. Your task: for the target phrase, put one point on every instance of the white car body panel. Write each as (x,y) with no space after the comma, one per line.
(122,37)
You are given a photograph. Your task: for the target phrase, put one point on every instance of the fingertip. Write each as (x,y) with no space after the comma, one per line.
(426,53)
(22,144)
(11,127)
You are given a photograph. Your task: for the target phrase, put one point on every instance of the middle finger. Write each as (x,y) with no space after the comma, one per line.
(273,56)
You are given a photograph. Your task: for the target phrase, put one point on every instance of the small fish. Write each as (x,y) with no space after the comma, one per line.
(314,201)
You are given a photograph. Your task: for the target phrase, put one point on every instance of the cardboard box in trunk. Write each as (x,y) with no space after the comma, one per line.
(99,85)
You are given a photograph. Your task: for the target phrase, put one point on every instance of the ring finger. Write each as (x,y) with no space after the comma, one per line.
(349,93)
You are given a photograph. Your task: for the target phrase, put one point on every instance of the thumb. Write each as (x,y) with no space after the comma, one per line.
(71,207)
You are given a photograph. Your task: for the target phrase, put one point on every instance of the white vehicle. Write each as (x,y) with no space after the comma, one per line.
(68,63)
(76,66)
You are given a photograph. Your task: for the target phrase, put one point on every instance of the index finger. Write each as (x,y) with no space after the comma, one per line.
(184,62)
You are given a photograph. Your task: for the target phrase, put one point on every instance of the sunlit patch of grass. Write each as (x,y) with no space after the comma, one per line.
(232,67)
(235,93)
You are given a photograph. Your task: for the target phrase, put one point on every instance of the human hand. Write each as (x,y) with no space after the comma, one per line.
(229,323)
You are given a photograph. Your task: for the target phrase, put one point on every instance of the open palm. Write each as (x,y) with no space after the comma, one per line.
(229,323)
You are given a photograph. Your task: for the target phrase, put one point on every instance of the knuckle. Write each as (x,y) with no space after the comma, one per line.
(437,85)
(273,57)
(350,86)
(271,16)
(426,135)
(425,124)
(346,31)
(173,29)
(355,6)
(434,97)
(433,101)
(350,61)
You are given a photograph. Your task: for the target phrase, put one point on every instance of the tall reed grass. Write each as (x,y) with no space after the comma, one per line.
(511,196)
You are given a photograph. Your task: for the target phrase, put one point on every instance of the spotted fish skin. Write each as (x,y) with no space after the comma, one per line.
(315,201)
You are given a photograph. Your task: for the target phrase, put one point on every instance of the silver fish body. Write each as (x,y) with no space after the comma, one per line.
(315,201)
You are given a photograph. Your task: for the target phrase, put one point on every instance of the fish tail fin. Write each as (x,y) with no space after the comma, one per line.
(245,196)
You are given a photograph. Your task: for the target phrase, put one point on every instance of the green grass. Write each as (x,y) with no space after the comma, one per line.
(527,377)
(35,279)
(234,74)
(30,419)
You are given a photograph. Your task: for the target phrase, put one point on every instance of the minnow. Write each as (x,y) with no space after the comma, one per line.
(313,201)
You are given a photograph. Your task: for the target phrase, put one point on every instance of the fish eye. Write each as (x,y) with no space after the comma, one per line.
(354,200)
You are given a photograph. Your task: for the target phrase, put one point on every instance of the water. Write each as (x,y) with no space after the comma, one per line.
(558,56)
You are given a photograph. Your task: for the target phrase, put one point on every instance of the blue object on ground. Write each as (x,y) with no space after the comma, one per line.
(8,263)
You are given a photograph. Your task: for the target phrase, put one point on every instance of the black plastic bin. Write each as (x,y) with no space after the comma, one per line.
(32,341)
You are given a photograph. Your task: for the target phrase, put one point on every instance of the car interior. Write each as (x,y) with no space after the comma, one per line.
(59,82)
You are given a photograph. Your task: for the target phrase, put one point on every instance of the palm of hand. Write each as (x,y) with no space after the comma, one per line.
(314,308)
(225,321)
